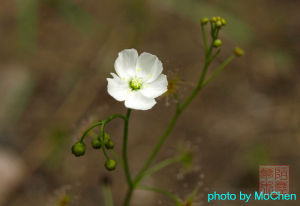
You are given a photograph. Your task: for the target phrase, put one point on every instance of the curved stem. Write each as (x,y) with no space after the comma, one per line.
(161,165)
(89,129)
(108,119)
(160,191)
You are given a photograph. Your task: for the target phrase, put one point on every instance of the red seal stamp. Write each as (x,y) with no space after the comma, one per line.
(274,178)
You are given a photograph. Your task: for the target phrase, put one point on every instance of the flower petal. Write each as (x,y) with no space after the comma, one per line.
(135,100)
(148,67)
(117,88)
(125,64)
(155,88)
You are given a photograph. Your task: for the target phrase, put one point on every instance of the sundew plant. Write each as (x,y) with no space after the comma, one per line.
(137,81)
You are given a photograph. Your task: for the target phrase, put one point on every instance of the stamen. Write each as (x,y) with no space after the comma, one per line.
(135,83)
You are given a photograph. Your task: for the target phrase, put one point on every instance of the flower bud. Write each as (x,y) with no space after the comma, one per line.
(96,143)
(106,138)
(219,23)
(78,149)
(224,22)
(110,145)
(214,19)
(110,164)
(238,51)
(204,20)
(217,43)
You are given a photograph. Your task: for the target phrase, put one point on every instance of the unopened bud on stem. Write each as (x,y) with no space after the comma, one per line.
(204,20)
(96,143)
(110,164)
(238,51)
(78,149)
(217,43)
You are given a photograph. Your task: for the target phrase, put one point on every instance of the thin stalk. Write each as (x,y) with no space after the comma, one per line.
(204,37)
(117,157)
(108,119)
(174,119)
(89,129)
(128,196)
(160,191)
(125,160)
(124,151)
(218,70)
(157,148)
(161,165)
(102,142)
(108,200)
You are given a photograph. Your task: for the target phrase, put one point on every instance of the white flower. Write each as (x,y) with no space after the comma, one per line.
(138,80)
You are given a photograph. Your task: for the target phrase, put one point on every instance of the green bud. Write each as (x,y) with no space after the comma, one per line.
(110,164)
(110,145)
(78,149)
(219,23)
(224,22)
(217,43)
(106,138)
(238,51)
(204,20)
(96,143)
(214,19)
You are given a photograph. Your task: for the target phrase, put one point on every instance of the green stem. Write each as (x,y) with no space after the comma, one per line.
(124,151)
(117,157)
(174,119)
(199,84)
(214,56)
(160,191)
(157,148)
(108,200)
(218,70)
(128,196)
(161,165)
(204,37)
(102,142)
(125,160)
(108,119)
(89,129)
(180,108)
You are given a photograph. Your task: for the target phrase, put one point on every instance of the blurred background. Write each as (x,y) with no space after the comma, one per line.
(55,56)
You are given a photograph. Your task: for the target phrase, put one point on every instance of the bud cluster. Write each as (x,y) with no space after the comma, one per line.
(216,23)
(79,148)
(219,21)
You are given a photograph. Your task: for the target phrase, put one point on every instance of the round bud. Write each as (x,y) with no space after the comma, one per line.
(204,20)
(78,149)
(219,23)
(238,51)
(218,18)
(217,43)
(224,22)
(110,145)
(110,164)
(96,143)
(106,138)
(214,19)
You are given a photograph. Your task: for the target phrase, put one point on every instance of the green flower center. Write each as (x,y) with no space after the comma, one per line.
(135,83)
